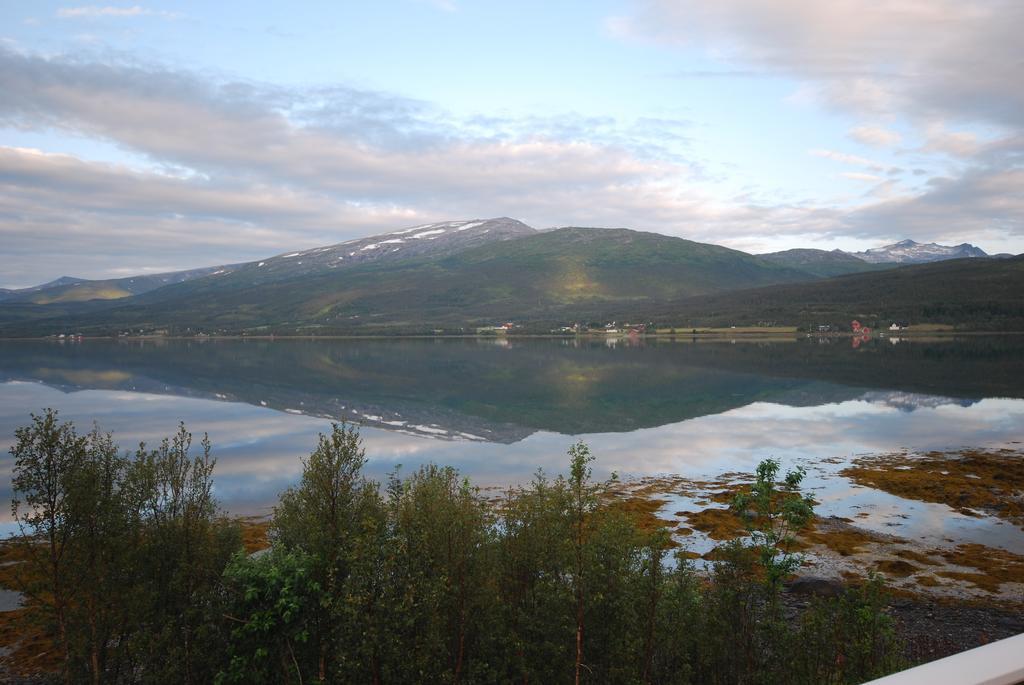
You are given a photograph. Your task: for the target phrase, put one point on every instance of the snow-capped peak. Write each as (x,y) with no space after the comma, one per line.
(912,252)
(435,239)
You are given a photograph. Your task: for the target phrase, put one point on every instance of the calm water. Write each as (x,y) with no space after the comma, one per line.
(499,411)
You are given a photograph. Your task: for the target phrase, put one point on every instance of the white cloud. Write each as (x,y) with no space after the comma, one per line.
(953,143)
(875,136)
(857,176)
(240,170)
(846,158)
(931,58)
(980,205)
(96,11)
(942,69)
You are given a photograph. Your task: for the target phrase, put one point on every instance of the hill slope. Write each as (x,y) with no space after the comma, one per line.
(430,239)
(974,293)
(427,240)
(821,263)
(466,274)
(67,289)
(565,273)
(6,293)
(911,252)
(68,299)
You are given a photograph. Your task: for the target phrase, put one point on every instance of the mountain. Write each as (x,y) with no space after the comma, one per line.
(67,298)
(7,293)
(68,289)
(972,293)
(910,252)
(426,240)
(461,275)
(63,281)
(436,239)
(456,274)
(821,263)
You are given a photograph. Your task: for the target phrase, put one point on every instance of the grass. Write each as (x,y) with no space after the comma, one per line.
(255,531)
(737,330)
(81,293)
(991,567)
(983,479)
(840,537)
(717,524)
(930,328)
(896,567)
(969,481)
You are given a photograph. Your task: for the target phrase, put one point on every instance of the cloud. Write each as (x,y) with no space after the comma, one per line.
(936,59)
(847,159)
(857,176)
(364,145)
(954,143)
(982,204)
(63,179)
(95,11)
(229,170)
(945,69)
(103,220)
(875,136)
(318,164)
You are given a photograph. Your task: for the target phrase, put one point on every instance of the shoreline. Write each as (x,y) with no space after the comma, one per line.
(699,335)
(851,543)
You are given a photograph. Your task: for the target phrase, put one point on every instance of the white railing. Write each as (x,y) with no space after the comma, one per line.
(998,663)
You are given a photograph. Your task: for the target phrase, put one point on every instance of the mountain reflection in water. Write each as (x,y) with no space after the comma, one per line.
(500,411)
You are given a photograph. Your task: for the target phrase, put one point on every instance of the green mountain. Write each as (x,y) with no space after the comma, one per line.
(975,293)
(67,289)
(66,301)
(461,275)
(559,275)
(822,263)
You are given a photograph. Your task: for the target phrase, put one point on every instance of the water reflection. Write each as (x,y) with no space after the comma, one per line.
(499,413)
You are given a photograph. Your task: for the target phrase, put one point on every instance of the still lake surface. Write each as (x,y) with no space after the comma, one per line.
(500,409)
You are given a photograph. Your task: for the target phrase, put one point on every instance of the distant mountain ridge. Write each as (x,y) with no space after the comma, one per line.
(448,237)
(828,263)
(464,273)
(821,263)
(7,293)
(911,252)
(436,239)
(459,275)
(69,289)
(972,293)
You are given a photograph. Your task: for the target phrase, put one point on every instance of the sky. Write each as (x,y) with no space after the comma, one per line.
(141,138)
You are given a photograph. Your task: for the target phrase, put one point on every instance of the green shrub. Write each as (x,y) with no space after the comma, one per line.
(141,579)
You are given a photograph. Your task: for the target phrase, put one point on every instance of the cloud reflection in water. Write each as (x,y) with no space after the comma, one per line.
(259,449)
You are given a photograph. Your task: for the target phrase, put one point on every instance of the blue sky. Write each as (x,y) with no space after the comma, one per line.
(157,136)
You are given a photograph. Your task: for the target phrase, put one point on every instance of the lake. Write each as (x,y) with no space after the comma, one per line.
(499,409)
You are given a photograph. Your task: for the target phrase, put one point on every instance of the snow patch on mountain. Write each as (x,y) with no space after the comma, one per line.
(424,234)
(911,252)
(434,239)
